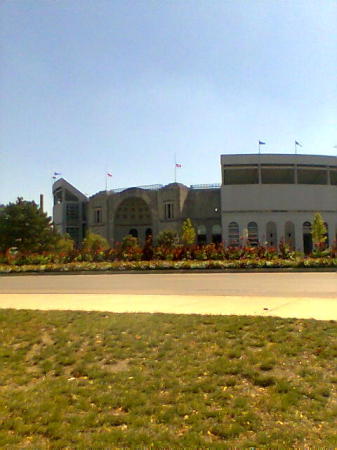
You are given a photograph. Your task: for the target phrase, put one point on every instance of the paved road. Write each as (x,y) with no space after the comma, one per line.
(301,284)
(300,295)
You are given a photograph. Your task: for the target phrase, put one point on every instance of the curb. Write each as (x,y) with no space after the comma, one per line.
(172,271)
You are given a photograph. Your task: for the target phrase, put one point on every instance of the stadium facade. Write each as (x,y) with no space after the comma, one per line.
(262,198)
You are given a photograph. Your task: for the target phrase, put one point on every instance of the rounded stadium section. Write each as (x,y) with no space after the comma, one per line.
(266,198)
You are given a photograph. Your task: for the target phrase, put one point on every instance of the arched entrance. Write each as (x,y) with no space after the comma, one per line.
(216,234)
(133,232)
(289,234)
(233,234)
(271,233)
(201,235)
(253,238)
(307,238)
(133,216)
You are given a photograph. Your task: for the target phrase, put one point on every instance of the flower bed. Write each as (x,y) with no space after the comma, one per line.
(119,266)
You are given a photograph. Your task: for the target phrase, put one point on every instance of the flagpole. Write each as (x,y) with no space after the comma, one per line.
(295,148)
(175,168)
(106,182)
(259,148)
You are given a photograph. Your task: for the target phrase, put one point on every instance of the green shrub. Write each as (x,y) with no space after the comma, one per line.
(94,242)
(129,242)
(65,244)
(168,239)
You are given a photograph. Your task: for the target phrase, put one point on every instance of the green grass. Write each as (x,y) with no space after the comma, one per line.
(79,380)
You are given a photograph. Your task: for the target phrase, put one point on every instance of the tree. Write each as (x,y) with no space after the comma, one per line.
(24,226)
(188,234)
(94,242)
(318,231)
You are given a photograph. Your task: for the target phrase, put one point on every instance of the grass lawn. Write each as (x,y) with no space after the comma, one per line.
(77,379)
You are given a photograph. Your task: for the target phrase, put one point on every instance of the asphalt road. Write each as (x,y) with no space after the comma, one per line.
(300,284)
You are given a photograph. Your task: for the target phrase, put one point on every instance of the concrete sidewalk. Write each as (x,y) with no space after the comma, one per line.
(294,307)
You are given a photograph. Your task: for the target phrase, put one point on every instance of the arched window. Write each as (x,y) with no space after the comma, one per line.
(233,234)
(253,234)
(289,234)
(216,234)
(271,234)
(307,238)
(201,233)
(133,211)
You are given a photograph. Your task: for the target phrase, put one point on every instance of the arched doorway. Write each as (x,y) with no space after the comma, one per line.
(289,234)
(201,234)
(133,216)
(133,232)
(271,234)
(148,235)
(233,234)
(307,238)
(253,238)
(216,234)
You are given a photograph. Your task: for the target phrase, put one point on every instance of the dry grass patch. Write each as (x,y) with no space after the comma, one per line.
(79,379)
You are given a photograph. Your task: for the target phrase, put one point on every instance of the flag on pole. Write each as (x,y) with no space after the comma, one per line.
(178,165)
(261,143)
(109,174)
(57,174)
(297,144)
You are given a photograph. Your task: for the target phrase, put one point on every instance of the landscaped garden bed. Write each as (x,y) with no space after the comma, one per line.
(120,266)
(26,249)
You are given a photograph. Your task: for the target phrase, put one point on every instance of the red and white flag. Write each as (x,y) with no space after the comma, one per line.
(178,165)
(109,174)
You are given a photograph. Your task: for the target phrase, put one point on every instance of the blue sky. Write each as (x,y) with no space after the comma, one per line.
(89,86)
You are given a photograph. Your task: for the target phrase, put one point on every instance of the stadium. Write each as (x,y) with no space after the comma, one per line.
(262,198)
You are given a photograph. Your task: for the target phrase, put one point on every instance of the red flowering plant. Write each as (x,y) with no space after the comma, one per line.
(129,249)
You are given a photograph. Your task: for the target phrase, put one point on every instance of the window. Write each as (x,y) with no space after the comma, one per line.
(233,234)
(70,197)
(276,175)
(249,175)
(312,176)
(333,176)
(253,234)
(72,211)
(169,213)
(98,215)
